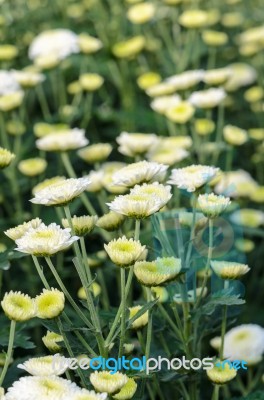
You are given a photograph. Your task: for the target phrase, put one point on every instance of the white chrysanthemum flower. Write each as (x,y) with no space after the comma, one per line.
(50,303)
(217,76)
(81,225)
(46,183)
(124,252)
(220,375)
(207,98)
(96,181)
(40,387)
(28,79)
(192,177)
(212,205)
(63,140)
(229,270)
(186,80)
(163,103)
(5,157)
(248,217)
(8,83)
(20,230)
(104,381)
(18,306)
(153,189)
(133,144)
(180,113)
(51,340)
(140,172)
(84,394)
(137,206)
(110,221)
(45,366)
(245,342)
(234,135)
(45,240)
(235,184)
(242,75)
(95,153)
(141,13)
(156,273)
(62,192)
(161,89)
(167,154)
(58,42)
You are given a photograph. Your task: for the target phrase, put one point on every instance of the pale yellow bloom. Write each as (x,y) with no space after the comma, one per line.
(91,82)
(95,153)
(20,230)
(158,272)
(124,252)
(50,303)
(148,79)
(234,135)
(5,157)
(51,340)
(11,101)
(139,322)
(18,306)
(229,270)
(89,44)
(104,381)
(220,375)
(32,166)
(180,113)
(214,38)
(130,47)
(141,13)
(193,19)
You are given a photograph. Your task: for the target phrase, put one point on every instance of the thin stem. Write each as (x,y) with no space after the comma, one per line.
(215,395)
(40,272)
(9,350)
(149,328)
(123,312)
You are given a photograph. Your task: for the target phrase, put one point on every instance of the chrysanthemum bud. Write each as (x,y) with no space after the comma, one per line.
(50,303)
(127,391)
(124,252)
(95,153)
(139,322)
(51,340)
(229,270)
(156,273)
(221,374)
(104,381)
(212,205)
(81,225)
(110,221)
(5,157)
(18,306)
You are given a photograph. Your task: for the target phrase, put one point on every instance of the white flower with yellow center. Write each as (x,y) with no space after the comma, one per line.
(242,75)
(192,177)
(136,206)
(158,272)
(212,205)
(45,240)
(161,89)
(229,270)
(217,76)
(62,192)
(9,102)
(124,252)
(209,98)
(81,225)
(45,366)
(89,44)
(95,153)
(248,217)
(133,144)
(167,154)
(153,189)
(63,140)
(186,80)
(139,322)
(148,79)
(235,184)
(5,157)
(18,306)
(58,42)
(20,230)
(181,113)
(40,387)
(220,375)
(91,82)
(162,103)
(245,342)
(46,183)
(32,166)
(97,181)
(50,303)
(84,394)
(141,13)
(104,381)
(234,135)
(140,172)
(28,79)
(51,340)
(110,221)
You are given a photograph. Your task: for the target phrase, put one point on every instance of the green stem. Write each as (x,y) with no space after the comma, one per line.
(192,235)
(215,395)
(223,331)
(149,328)
(9,351)
(123,312)
(40,272)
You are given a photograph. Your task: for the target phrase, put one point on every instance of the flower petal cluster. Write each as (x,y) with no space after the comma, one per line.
(158,272)
(193,177)
(124,252)
(63,140)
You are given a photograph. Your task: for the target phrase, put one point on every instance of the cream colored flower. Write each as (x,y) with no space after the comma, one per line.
(130,47)
(50,303)
(97,181)
(162,103)
(18,306)
(181,113)
(153,189)
(89,44)
(220,375)
(32,166)
(204,126)
(51,340)
(229,270)
(254,94)
(91,82)
(158,272)
(245,342)
(139,322)
(214,38)
(62,192)
(242,75)
(63,140)
(234,135)
(160,293)
(212,205)
(58,42)
(43,129)
(248,217)
(9,102)
(235,184)
(134,144)
(164,153)
(8,52)
(5,157)
(95,288)
(8,83)
(28,79)
(110,221)
(45,240)
(193,19)
(20,230)
(95,153)
(104,381)
(217,76)
(232,19)
(124,252)
(192,177)
(186,80)
(127,391)
(141,13)
(45,366)
(148,79)
(209,98)
(140,172)
(161,89)
(84,394)
(46,183)
(81,225)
